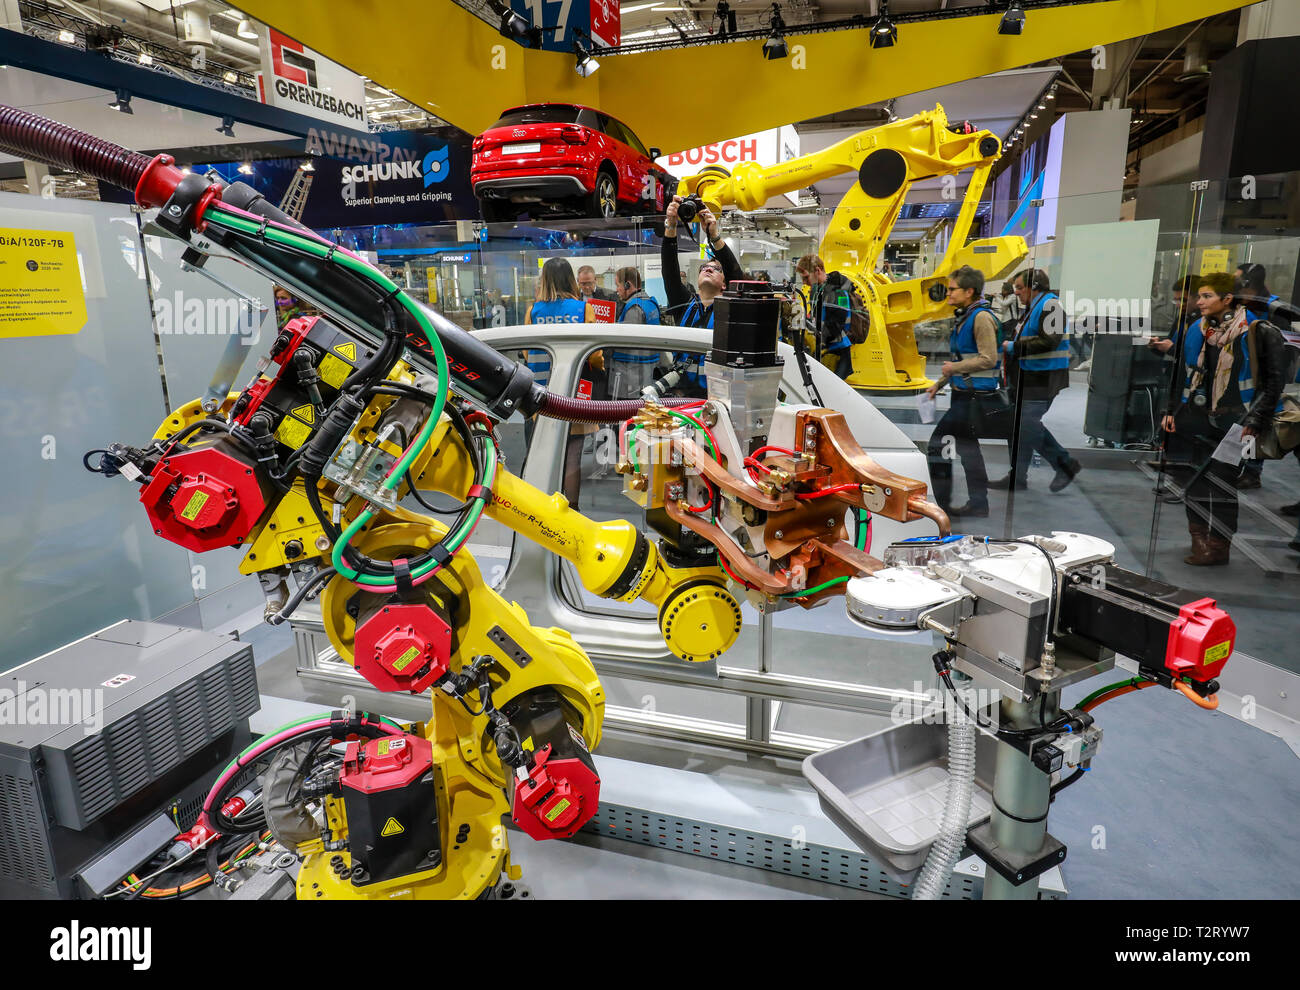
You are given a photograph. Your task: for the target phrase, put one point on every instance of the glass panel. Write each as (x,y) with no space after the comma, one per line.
(550,113)
(78,551)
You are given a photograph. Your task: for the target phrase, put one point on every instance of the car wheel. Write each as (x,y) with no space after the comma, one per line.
(603,202)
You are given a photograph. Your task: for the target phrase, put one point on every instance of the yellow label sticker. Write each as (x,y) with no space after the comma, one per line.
(1218,652)
(404,661)
(382,748)
(194,506)
(41,292)
(305,413)
(348,351)
(528,744)
(292,432)
(332,371)
(1215,260)
(558,810)
(392,827)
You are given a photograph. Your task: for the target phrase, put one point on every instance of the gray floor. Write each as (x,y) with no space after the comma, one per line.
(1182,804)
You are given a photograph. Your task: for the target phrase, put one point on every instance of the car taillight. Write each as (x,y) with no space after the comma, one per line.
(573,134)
(477,146)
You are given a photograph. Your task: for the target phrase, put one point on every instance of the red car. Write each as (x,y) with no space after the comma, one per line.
(561,158)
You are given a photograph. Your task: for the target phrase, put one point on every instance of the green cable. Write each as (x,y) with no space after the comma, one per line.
(686,419)
(378,278)
(860,535)
(453,540)
(1131,682)
(812,591)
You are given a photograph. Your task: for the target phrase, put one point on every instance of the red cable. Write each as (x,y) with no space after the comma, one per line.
(833,490)
(722,561)
(779,450)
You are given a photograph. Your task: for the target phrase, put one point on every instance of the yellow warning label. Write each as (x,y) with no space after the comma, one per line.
(558,810)
(348,351)
(392,827)
(382,748)
(194,506)
(1215,653)
(334,372)
(404,661)
(293,432)
(528,744)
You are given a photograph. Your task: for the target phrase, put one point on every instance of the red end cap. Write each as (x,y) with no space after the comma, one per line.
(159,181)
(1200,641)
(395,644)
(385,764)
(557,797)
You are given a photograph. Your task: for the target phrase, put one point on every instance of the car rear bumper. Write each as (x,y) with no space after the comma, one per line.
(510,183)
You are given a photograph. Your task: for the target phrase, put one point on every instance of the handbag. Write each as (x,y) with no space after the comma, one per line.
(991,414)
(1281,434)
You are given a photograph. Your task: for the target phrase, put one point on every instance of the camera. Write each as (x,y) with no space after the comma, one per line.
(689,207)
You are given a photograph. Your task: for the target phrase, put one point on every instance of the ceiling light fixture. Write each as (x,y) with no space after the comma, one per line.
(67,37)
(775,47)
(144,58)
(230,77)
(1013,21)
(582,49)
(246,30)
(883,32)
(245,169)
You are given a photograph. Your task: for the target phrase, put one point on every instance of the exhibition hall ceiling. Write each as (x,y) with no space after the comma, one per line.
(700,93)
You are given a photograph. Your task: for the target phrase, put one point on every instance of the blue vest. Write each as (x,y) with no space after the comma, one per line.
(1053,361)
(962,342)
(695,370)
(1192,344)
(559,311)
(648,307)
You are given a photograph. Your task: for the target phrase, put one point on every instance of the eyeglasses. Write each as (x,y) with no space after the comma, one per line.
(711,268)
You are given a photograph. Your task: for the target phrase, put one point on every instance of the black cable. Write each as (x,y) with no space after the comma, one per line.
(305,589)
(1062,785)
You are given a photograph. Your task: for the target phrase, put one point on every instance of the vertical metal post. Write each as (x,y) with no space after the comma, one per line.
(1021,789)
(758,711)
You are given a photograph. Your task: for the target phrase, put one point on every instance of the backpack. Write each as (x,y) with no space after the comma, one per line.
(859,322)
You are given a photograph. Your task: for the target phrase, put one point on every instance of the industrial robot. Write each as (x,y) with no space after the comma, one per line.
(888,161)
(305,470)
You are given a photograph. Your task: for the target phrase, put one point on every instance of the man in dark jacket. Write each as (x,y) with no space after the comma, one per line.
(689,310)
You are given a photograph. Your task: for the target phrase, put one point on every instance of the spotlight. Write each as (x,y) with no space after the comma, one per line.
(775,46)
(245,169)
(1051,93)
(1013,21)
(883,32)
(246,30)
(230,77)
(515,26)
(123,102)
(726,18)
(1042,105)
(307,166)
(67,37)
(144,58)
(582,49)
(227,126)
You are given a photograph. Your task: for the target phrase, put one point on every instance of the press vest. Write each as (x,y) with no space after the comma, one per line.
(647,306)
(1056,360)
(556,311)
(962,342)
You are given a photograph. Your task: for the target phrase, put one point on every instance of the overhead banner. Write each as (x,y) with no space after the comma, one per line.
(771,147)
(393,177)
(294,77)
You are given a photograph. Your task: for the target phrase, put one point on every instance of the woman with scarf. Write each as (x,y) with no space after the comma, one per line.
(1234,374)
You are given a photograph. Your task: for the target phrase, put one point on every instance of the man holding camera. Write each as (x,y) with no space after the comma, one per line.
(696,311)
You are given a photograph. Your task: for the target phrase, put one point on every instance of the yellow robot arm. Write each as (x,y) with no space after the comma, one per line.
(888,161)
